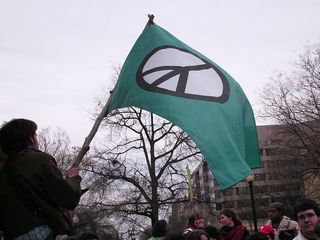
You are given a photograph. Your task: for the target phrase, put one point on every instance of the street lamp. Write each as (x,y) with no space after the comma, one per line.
(250,180)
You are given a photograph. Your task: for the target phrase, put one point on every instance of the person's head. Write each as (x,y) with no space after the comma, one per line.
(18,134)
(198,235)
(307,213)
(196,221)
(228,218)
(275,211)
(212,231)
(159,228)
(267,230)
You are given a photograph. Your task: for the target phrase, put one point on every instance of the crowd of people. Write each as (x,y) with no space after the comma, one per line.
(278,227)
(36,199)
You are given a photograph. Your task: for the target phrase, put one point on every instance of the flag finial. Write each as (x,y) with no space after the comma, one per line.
(150,21)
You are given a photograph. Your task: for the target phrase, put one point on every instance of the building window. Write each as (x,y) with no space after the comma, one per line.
(274,163)
(219,206)
(271,151)
(197,176)
(244,203)
(273,176)
(207,197)
(262,202)
(228,192)
(260,176)
(218,194)
(261,189)
(205,166)
(278,188)
(244,190)
(206,178)
(228,204)
(245,215)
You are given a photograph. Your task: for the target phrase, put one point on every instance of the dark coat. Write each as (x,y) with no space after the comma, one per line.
(33,192)
(238,232)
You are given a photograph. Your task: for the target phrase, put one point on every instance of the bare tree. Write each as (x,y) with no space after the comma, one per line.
(294,102)
(57,143)
(140,169)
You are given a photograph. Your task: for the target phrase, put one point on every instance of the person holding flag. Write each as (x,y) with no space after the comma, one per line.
(33,191)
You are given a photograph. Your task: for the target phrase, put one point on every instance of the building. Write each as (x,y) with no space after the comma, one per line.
(204,196)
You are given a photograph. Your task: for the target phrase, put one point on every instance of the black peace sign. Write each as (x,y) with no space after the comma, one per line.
(178,72)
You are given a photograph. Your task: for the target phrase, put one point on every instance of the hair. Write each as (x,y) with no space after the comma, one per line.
(277,205)
(15,135)
(212,231)
(159,228)
(193,218)
(229,213)
(306,204)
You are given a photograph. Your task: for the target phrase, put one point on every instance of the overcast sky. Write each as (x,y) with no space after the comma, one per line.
(56,56)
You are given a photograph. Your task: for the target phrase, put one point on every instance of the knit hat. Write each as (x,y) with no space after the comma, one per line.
(267,230)
(277,205)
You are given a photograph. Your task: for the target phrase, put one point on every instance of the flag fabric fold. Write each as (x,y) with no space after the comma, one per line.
(165,76)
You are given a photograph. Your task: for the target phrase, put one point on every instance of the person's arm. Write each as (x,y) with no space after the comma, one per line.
(62,192)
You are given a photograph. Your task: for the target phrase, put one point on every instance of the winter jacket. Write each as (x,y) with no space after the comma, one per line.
(238,232)
(285,224)
(33,192)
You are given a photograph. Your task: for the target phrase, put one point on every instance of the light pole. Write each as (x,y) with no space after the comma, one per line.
(250,180)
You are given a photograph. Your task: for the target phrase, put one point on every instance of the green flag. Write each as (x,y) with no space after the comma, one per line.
(165,76)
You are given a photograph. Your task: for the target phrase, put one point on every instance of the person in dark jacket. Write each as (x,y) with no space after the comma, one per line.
(212,231)
(33,191)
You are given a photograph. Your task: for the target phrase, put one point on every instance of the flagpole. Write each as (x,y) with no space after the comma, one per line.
(86,145)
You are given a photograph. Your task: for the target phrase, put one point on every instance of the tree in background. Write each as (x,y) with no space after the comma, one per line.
(140,168)
(57,143)
(294,102)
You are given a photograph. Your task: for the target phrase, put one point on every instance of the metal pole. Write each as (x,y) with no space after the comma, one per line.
(253,207)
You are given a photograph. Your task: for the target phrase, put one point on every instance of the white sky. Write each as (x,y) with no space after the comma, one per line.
(56,56)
